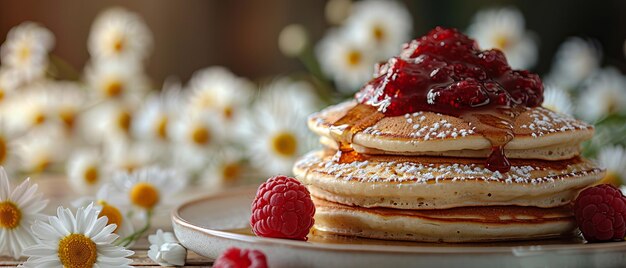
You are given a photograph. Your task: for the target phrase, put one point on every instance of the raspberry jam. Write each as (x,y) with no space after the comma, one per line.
(445,72)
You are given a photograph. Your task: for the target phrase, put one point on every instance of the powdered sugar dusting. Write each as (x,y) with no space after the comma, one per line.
(400,171)
(545,121)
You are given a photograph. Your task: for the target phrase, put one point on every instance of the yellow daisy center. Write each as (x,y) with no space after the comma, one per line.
(3,150)
(124,119)
(10,215)
(231,171)
(41,164)
(91,175)
(39,118)
(145,195)
(68,117)
(612,178)
(113,214)
(77,251)
(24,53)
(501,41)
(1,94)
(161,127)
(200,135)
(228,112)
(113,89)
(353,57)
(118,44)
(378,33)
(284,144)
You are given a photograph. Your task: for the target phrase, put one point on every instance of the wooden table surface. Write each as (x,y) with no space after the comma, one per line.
(56,189)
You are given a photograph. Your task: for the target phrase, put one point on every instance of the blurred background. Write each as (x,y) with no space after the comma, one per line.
(242,35)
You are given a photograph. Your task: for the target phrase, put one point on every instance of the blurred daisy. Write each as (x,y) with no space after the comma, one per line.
(613,159)
(148,187)
(124,154)
(166,250)
(558,100)
(292,40)
(603,94)
(28,109)
(81,240)
(108,120)
(154,118)
(111,206)
(9,158)
(68,101)
(200,131)
(26,51)
(85,171)
(119,34)
(8,83)
(276,129)
(504,29)
(384,24)
(348,62)
(42,148)
(575,60)
(336,11)
(115,80)
(227,169)
(19,208)
(217,90)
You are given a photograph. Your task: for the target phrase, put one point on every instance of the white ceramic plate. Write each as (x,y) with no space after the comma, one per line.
(212,224)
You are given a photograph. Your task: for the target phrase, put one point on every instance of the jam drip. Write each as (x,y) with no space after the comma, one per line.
(446,72)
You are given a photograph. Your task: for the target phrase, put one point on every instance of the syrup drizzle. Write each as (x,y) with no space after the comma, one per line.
(357,118)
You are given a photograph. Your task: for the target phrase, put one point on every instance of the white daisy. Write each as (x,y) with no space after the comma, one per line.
(575,60)
(147,187)
(201,131)
(228,168)
(557,99)
(292,40)
(124,154)
(119,34)
(19,208)
(68,102)
(348,62)
(110,205)
(42,149)
(336,11)
(26,51)
(8,83)
(613,159)
(28,109)
(603,94)
(276,128)
(504,29)
(154,119)
(9,158)
(81,240)
(166,250)
(217,90)
(85,171)
(108,120)
(384,24)
(115,80)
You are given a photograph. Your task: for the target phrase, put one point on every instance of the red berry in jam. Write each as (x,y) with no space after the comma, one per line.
(445,71)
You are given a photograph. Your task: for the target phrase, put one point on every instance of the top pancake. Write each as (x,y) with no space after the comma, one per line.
(417,133)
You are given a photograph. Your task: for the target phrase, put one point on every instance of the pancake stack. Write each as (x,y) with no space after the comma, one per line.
(423,176)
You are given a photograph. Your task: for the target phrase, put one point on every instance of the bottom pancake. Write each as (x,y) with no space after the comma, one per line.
(468,224)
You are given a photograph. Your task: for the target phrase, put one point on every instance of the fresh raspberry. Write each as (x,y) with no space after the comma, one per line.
(600,212)
(282,208)
(241,258)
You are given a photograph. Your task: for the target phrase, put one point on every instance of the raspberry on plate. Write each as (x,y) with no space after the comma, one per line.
(600,213)
(282,208)
(241,258)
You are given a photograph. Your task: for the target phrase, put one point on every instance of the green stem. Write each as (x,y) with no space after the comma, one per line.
(137,234)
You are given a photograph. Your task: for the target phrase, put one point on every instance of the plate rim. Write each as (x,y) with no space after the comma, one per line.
(368,248)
